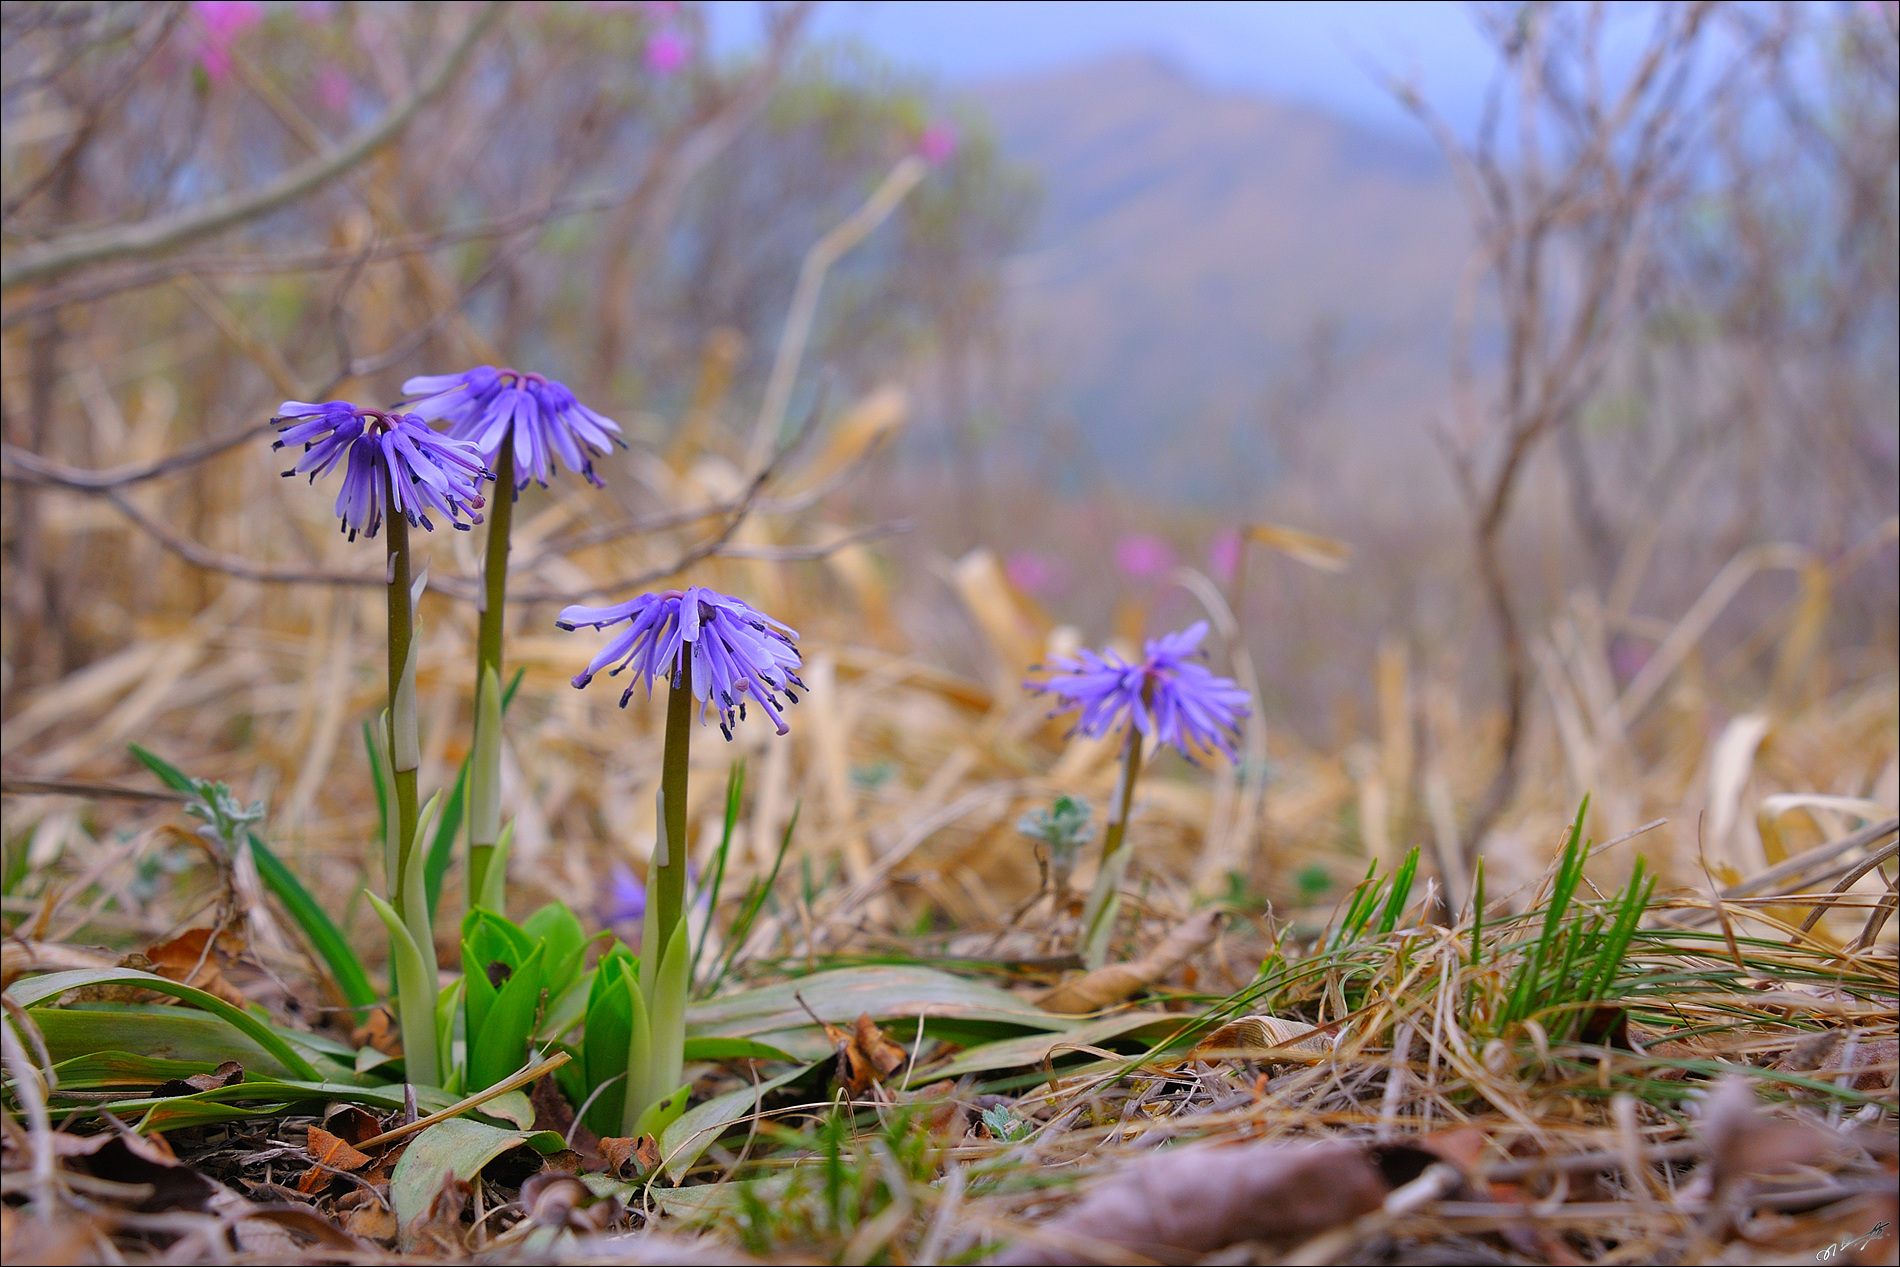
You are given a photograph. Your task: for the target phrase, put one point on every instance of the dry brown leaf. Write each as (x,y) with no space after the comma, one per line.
(371,1222)
(348,1122)
(223,1076)
(378,1030)
(621,1152)
(328,1150)
(189,958)
(1191,1201)
(439,1228)
(1740,1139)
(1263,1034)
(1109,985)
(560,1200)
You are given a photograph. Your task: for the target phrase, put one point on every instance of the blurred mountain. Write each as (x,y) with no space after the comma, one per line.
(1216,276)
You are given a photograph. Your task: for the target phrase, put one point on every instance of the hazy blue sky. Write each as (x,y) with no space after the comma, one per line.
(1311,52)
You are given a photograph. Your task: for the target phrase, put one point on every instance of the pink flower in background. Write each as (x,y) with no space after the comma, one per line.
(937,144)
(1034,573)
(1223,556)
(666,52)
(223,22)
(1142,556)
(334,89)
(316,12)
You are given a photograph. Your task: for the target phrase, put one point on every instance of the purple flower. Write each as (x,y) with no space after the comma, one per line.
(736,651)
(1171,698)
(1035,573)
(1223,555)
(1142,556)
(223,21)
(484,404)
(666,52)
(387,453)
(937,143)
(625,900)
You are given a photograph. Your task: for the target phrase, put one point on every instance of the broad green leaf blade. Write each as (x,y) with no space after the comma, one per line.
(168,1034)
(106,1070)
(732,1049)
(886,991)
(639,1062)
(1029,1050)
(321,932)
(458,1147)
(31,990)
(415,997)
(500,1045)
(695,1130)
(567,1010)
(668,1017)
(484,764)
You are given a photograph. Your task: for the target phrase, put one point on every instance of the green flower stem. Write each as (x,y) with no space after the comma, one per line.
(1098,914)
(482,828)
(666,887)
(401,635)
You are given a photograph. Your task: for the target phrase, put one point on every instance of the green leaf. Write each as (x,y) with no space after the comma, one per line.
(567,1010)
(1030,1050)
(886,991)
(415,997)
(442,848)
(499,1046)
(171,1034)
(732,1049)
(494,895)
(318,929)
(377,760)
(459,1147)
(662,1113)
(639,1058)
(668,1017)
(566,943)
(695,1130)
(510,1106)
(604,1048)
(735,788)
(484,763)
(103,1070)
(170,775)
(30,990)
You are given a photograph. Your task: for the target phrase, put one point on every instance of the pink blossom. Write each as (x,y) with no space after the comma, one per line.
(223,21)
(1034,573)
(1142,556)
(937,144)
(666,52)
(1223,556)
(334,89)
(316,12)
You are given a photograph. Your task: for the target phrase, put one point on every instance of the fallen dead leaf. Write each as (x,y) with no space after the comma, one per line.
(1109,985)
(558,1200)
(224,1075)
(378,1030)
(328,1150)
(1191,1201)
(621,1152)
(1262,1034)
(191,959)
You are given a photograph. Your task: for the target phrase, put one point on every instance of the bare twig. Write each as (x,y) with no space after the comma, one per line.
(93,246)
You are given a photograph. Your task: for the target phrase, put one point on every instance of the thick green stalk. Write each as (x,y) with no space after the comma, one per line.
(401,717)
(1098,914)
(666,885)
(485,772)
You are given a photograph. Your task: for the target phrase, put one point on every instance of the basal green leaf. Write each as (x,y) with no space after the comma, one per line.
(694,1131)
(459,1147)
(31,990)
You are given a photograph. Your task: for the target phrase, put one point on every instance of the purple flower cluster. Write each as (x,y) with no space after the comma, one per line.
(485,405)
(736,651)
(1169,697)
(390,456)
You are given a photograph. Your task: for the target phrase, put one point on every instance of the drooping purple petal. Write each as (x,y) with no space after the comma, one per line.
(1169,698)
(734,651)
(395,465)
(488,405)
